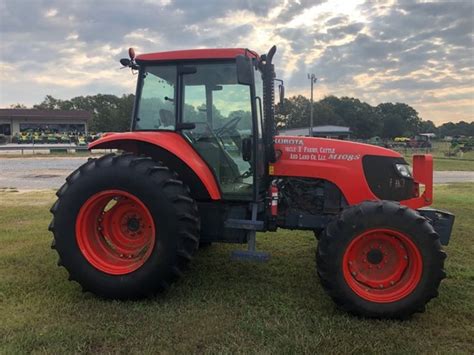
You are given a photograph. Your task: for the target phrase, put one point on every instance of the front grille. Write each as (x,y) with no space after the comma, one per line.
(384,180)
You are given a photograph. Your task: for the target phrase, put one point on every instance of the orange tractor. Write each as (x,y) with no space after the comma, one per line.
(203,163)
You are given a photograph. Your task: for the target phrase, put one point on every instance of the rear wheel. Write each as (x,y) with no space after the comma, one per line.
(124,226)
(380,259)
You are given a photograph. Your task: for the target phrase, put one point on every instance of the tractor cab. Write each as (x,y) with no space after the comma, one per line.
(214,99)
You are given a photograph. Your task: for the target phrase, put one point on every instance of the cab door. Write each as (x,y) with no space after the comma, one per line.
(221,110)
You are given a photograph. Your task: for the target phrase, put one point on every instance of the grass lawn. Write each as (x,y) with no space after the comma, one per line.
(446,164)
(219,306)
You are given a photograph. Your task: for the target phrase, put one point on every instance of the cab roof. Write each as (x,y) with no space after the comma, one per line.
(196,54)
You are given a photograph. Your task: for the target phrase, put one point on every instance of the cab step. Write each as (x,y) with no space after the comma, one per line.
(251,226)
(250,255)
(246,224)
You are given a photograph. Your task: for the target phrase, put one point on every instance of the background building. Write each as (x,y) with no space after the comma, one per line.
(15,121)
(328,131)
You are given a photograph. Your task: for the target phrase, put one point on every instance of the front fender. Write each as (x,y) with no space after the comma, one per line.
(169,141)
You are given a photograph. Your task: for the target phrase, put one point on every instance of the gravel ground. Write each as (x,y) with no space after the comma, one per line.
(49,173)
(37,173)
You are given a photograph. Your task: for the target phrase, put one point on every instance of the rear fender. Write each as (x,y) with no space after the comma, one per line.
(174,151)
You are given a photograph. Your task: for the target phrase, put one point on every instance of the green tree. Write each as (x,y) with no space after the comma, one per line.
(18,106)
(398,119)
(427,127)
(461,128)
(358,115)
(109,112)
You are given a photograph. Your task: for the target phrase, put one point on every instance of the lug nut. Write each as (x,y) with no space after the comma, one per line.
(354,273)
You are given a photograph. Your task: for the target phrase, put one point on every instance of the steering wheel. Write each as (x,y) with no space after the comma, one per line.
(229,126)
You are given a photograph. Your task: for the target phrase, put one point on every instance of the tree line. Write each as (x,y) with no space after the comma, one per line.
(386,120)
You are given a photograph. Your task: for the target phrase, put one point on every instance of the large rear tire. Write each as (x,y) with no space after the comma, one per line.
(380,259)
(124,226)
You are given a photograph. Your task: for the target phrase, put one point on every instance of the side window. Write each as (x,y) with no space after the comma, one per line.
(156,109)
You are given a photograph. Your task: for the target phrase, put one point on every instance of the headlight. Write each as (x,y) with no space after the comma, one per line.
(403,170)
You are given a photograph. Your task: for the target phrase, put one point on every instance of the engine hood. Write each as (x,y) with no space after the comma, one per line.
(337,161)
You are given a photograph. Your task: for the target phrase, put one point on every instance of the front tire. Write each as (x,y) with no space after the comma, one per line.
(380,259)
(124,226)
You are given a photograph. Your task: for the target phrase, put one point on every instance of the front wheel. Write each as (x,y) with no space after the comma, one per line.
(380,259)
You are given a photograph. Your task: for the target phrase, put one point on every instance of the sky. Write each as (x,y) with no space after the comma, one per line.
(419,53)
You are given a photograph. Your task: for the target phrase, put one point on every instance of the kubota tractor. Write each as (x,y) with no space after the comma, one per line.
(202,163)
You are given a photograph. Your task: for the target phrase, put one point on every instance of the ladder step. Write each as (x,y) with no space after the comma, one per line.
(249,255)
(246,224)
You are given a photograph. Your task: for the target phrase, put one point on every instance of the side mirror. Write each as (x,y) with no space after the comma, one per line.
(125,62)
(246,149)
(281,89)
(244,70)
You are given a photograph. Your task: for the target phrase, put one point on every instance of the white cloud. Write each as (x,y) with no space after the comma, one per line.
(51,13)
(377,51)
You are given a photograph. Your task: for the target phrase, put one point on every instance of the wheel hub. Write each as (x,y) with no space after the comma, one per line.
(375,256)
(133,224)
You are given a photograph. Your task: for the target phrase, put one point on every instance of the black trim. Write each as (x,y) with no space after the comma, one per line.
(136,102)
(253,107)
(442,222)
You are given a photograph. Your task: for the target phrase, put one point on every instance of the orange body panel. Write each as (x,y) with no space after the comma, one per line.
(341,163)
(337,161)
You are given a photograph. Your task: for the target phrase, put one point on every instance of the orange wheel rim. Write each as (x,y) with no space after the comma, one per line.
(115,232)
(382,265)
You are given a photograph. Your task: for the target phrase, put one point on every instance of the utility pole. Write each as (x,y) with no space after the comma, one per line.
(313,80)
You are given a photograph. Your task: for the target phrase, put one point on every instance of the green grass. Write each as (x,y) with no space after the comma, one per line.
(446,164)
(219,306)
(460,162)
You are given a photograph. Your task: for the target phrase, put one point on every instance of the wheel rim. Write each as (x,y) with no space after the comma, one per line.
(382,265)
(115,232)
